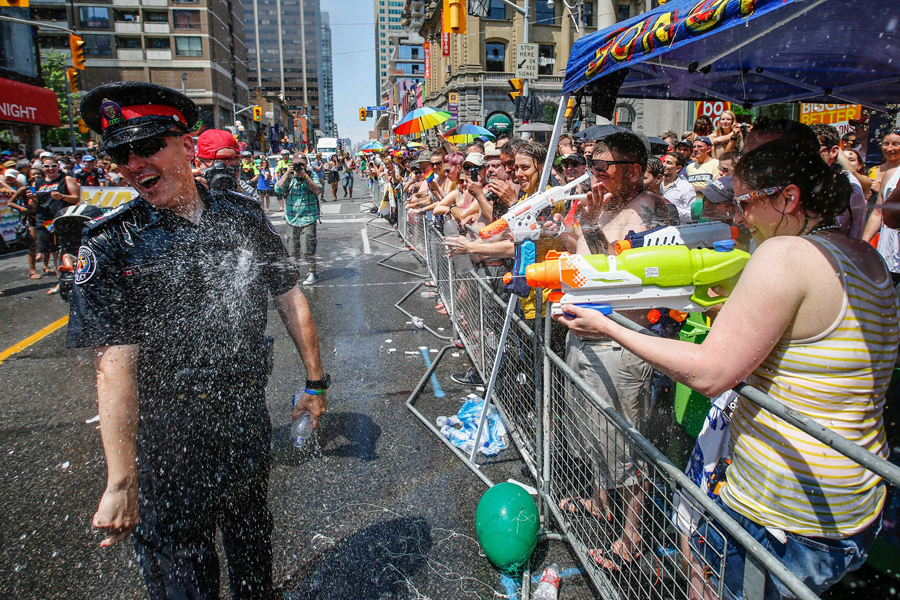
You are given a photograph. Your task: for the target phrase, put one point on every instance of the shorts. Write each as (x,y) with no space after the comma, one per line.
(46,240)
(624,380)
(817,562)
(347,179)
(331,176)
(302,240)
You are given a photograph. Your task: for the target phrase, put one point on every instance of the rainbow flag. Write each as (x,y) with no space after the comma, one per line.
(430,177)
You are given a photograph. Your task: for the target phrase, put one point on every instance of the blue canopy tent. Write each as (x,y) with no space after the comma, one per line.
(748,52)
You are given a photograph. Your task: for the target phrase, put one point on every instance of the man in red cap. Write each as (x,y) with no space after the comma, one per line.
(219,161)
(172,292)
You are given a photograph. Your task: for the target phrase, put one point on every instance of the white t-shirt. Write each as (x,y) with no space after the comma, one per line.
(681,194)
(888,242)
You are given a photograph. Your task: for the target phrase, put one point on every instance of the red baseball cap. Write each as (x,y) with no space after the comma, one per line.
(212,140)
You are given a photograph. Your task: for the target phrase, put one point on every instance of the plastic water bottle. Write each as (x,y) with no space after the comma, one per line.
(458,438)
(302,428)
(452,421)
(548,588)
(462,263)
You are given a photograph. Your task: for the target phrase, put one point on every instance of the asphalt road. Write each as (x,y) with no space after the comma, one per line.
(377,508)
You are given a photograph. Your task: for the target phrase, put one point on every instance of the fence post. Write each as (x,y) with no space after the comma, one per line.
(537,346)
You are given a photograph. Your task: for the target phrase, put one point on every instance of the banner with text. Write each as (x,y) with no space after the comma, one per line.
(838,115)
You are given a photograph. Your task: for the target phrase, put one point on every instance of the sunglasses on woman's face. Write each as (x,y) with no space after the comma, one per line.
(144,148)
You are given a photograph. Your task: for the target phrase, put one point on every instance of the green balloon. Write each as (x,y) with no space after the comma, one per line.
(507,525)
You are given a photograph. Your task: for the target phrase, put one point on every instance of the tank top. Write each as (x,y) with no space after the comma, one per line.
(889,240)
(780,477)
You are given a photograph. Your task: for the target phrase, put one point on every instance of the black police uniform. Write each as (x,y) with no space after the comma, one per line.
(194,298)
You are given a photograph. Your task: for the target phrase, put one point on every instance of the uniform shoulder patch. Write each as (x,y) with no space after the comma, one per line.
(86,265)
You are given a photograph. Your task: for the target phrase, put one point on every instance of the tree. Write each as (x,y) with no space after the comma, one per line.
(53,69)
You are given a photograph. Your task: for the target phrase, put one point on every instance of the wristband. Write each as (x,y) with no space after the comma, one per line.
(314,392)
(321,384)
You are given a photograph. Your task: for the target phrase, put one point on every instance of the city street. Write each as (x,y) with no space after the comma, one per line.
(377,508)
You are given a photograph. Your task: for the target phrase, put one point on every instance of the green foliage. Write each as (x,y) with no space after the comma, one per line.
(53,69)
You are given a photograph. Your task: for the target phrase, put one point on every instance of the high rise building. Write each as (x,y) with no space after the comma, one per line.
(388,17)
(196,46)
(283,52)
(326,88)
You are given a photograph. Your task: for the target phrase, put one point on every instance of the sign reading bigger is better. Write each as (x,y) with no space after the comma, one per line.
(838,115)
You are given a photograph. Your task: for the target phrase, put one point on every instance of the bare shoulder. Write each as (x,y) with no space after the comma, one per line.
(650,209)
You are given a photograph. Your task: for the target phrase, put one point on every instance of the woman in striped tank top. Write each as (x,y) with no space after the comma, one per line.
(813,322)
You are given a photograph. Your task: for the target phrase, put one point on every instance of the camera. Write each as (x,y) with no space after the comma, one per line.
(744,128)
(298,167)
(473,173)
(221,178)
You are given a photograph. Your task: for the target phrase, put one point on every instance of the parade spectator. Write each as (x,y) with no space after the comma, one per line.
(718,201)
(859,170)
(281,167)
(301,211)
(617,204)
(852,222)
(670,137)
(52,192)
(726,164)
(685,148)
(653,176)
(333,175)
(317,167)
(701,171)
(89,174)
(766,129)
(703,127)
(348,166)
(727,137)
(9,185)
(219,153)
(808,298)
(565,146)
(574,166)
(475,146)
(886,180)
(24,201)
(249,170)
(676,189)
(264,184)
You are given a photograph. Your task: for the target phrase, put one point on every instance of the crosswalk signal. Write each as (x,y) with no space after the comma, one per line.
(362,114)
(76,45)
(72,78)
(516,85)
(257,113)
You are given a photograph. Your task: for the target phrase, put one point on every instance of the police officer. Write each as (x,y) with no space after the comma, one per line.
(172,292)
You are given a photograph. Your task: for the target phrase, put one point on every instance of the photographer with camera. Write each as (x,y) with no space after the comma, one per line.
(300,189)
(218,163)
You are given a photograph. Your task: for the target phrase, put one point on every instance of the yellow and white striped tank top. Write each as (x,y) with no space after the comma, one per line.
(783,478)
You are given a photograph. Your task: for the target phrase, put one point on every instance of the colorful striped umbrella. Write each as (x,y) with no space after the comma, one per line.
(414,145)
(466,134)
(372,146)
(421,119)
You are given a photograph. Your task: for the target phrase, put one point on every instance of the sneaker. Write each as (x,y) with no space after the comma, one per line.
(310,279)
(471,377)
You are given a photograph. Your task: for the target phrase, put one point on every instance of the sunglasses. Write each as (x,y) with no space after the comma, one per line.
(53,166)
(144,148)
(601,166)
(739,201)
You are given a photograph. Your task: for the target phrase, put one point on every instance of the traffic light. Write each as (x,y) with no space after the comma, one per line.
(14,3)
(570,107)
(76,45)
(72,78)
(257,113)
(454,16)
(362,114)
(82,126)
(516,85)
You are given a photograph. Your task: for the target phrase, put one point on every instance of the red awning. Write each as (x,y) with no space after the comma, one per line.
(23,103)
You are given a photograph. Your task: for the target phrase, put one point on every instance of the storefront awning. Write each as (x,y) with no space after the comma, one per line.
(24,103)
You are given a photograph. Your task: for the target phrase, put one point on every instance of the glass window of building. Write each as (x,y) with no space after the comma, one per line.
(544,15)
(495,56)
(546,59)
(94,17)
(131,43)
(97,45)
(188,46)
(156,17)
(624,12)
(496,10)
(186,19)
(588,14)
(158,43)
(186,1)
(624,116)
(127,16)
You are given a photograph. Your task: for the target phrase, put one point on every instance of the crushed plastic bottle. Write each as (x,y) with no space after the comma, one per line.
(452,421)
(418,322)
(548,588)
(302,428)
(458,438)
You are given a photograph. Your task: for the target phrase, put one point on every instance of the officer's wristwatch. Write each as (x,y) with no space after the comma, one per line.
(319,384)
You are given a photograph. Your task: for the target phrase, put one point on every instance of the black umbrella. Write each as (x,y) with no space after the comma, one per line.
(658,146)
(598,132)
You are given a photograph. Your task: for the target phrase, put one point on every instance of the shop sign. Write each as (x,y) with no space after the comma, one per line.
(24,103)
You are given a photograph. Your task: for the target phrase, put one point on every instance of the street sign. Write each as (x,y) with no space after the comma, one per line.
(527,61)
(374,108)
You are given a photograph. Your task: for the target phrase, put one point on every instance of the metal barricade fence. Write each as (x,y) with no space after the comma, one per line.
(586,458)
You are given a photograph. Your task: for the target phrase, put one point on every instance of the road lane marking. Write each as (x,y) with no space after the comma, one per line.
(33,338)
(365,237)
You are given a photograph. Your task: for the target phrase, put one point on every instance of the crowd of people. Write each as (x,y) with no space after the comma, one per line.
(815,310)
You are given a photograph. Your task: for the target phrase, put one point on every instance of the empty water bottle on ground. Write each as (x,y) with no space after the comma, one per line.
(302,428)
(462,263)
(548,588)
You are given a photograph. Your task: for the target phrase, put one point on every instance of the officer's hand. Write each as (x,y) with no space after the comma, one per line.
(118,513)
(314,405)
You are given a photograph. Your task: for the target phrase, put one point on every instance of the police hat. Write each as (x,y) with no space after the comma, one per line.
(127,111)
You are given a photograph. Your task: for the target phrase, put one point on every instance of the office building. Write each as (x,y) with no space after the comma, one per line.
(283,44)
(388,17)
(196,46)
(326,81)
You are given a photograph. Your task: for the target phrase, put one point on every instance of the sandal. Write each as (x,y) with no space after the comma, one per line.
(35,275)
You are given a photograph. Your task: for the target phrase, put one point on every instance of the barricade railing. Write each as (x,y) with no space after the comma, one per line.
(586,457)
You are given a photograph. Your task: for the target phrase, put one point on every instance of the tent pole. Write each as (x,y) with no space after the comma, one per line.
(554,140)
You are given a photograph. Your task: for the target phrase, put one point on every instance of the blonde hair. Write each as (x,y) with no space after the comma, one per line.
(719,131)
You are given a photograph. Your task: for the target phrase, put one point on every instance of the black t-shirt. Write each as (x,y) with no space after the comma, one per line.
(46,206)
(193,297)
(91,178)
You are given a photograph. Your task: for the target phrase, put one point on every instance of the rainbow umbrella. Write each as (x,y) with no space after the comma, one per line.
(372,146)
(466,134)
(414,145)
(421,119)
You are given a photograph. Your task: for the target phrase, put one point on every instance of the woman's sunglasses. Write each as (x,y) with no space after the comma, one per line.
(144,148)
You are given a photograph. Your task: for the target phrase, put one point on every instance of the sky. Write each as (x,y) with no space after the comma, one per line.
(353,48)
